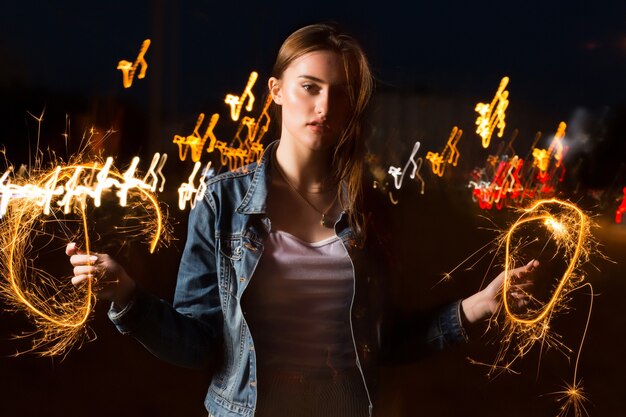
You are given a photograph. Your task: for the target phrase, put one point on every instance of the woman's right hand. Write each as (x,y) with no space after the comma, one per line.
(110,279)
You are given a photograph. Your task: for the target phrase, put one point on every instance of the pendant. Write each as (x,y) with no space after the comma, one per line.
(324,223)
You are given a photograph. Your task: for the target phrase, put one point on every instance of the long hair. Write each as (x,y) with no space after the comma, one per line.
(348,157)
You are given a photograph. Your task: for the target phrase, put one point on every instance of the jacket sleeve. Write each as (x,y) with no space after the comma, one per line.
(405,335)
(187,332)
(409,337)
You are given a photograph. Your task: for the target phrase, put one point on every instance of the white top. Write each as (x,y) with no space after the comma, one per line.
(297,305)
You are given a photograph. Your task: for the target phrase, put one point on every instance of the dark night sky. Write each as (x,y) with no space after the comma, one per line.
(434,62)
(561,57)
(557,53)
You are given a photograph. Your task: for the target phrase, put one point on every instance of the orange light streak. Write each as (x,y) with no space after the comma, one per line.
(236,102)
(449,155)
(195,142)
(492,115)
(128,68)
(248,149)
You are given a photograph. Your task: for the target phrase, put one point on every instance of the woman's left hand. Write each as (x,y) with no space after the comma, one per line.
(485,302)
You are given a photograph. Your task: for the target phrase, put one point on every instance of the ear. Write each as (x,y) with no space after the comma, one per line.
(275,90)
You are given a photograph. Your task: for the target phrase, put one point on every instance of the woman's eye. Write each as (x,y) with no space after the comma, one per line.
(309,87)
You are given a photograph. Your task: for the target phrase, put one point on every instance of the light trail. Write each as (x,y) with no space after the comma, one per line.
(129,68)
(492,115)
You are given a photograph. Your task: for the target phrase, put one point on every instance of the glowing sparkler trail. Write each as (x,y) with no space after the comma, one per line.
(567,229)
(492,115)
(128,68)
(58,310)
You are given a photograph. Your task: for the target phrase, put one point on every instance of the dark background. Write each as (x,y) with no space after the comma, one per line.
(434,62)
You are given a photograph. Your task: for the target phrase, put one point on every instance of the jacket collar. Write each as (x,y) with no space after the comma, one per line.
(254,202)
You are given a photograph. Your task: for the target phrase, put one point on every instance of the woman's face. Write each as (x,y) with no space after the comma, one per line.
(313,95)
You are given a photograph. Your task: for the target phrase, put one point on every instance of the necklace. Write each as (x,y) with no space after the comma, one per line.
(325,221)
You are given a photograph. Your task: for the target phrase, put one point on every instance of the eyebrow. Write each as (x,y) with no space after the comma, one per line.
(311,78)
(318,80)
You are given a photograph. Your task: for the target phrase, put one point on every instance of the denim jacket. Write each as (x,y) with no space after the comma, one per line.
(226,231)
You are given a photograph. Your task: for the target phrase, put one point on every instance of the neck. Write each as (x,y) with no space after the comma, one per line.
(306,169)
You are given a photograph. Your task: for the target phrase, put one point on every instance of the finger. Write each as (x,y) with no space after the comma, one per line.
(77,260)
(71,249)
(530,266)
(77,280)
(524,285)
(85,270)
(518,295)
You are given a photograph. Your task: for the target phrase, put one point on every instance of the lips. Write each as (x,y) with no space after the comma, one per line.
(318,126)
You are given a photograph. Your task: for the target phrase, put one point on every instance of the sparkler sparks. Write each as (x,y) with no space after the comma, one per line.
(37,203)
(566,231)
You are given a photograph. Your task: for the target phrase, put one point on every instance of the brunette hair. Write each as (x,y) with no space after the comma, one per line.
(348,157)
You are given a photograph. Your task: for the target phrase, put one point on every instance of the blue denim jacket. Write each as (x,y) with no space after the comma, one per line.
(226,230)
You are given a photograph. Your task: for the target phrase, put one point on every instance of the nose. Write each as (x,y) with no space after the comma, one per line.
(322,104)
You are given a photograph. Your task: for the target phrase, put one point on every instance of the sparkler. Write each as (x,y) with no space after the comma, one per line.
(31,204)
(566,229)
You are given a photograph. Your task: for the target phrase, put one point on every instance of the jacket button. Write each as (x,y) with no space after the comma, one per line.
(242,279)
(250,246)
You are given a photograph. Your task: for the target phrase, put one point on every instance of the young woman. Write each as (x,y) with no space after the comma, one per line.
(277,277)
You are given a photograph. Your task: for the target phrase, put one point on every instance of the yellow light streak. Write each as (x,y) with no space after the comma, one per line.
(245,146)
(492,115)
(236,102)
(449,155)
(195,142)
(542,157)
(128,68)
(248,149)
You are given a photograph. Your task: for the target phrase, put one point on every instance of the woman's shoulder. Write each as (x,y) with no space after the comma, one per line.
(229,178)
(228,189)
